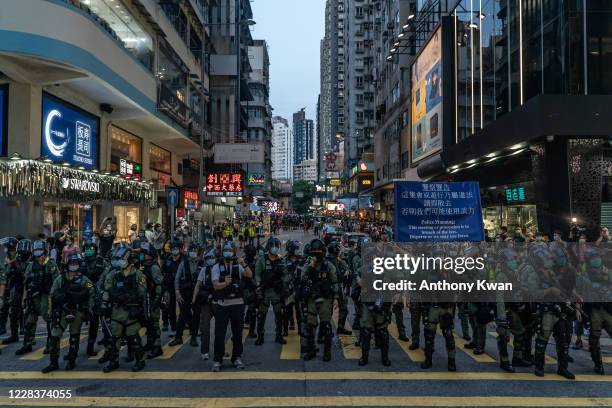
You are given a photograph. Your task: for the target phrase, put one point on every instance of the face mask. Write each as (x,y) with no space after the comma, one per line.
(274,250)
(89,252)
(210,261)
(38,253)
(73,268)
(512,265)
(261,252)
(116,263)
(227,254)
(193,255)
(556,237)
(595,262)
(175,252)
(538,238)
(141,257)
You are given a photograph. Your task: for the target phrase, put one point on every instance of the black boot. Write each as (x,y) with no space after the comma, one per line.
(73,351)
(111,366)
(538,357)
(193,342)
(327,348)
(427,362)
(402,335)
(23,350)
(413,346)
(54,365)
(311,351)
(279,339)
(177,340)
(505,365)
(429,348)
(451,364)
(563,357)
(90,349)
(364,341)
(260,339)
(383,343)
(155,352)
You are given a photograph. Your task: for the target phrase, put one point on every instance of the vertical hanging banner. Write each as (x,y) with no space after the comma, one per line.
(438,212)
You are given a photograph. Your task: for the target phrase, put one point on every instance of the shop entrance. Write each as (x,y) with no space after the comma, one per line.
(510,216)
(126,217)
(80,218)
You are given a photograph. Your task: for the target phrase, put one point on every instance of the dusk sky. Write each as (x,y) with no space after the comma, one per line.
(293,30)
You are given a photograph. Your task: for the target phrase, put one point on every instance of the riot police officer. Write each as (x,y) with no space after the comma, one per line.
(72,300)
(184,285)
(10,248)
(154,280)
(125,290)
(271,280)
(293,262)
(168,297)
(39,276)
(318,283)
(343,275)
(250,295)
(14,269)
(94,266)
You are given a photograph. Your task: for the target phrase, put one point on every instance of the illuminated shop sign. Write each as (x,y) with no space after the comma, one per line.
(225,184)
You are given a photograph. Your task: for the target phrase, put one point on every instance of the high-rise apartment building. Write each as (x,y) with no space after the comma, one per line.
(282,149)
(303,137)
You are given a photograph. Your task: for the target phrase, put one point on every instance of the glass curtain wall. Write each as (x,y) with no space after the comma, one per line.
(508,51)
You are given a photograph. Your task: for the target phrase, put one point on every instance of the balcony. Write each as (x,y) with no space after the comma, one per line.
(172,106)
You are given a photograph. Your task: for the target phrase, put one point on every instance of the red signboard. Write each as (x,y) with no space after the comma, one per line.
(225,184)
(190,199)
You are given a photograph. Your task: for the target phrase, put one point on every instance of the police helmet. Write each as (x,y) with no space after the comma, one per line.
(10,243)
(194,246)
(333,248)
(39,248)
(307,249)
(228,246)
(292,246)
(210,254)
(120,251)
(24,246)
(273,241)
(148,249)
(74,258)
(317,248)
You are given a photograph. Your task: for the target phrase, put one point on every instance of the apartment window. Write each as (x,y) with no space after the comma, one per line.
(359,116)
(359,12)
(125,145)
(160,159)
(359,82)
(359,99)
(171,74)
(120,20)
(396,93)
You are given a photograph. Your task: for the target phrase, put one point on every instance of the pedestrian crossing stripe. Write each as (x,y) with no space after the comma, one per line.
(347,342)
(241,375)
(547,359)
(38,354)
(291,350)
(229,344)
(169,351)
(415,355)
(323,401)
(460,343)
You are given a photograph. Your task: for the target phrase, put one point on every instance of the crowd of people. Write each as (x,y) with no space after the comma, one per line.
(234,277)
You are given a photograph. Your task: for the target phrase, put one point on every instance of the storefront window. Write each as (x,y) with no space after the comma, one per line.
(125,145)
(160,159)
(126,217)
(78,217)
(125,26)
(172,75)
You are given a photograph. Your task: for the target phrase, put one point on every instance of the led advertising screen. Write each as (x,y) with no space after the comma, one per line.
(69,135)
(3,119)
(256,179)
(427,99)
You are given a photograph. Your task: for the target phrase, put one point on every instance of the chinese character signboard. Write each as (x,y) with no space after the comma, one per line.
(438,212)
(224,184)
(189,199)
(256,179)
(130,169)
(515,194)
(69,135)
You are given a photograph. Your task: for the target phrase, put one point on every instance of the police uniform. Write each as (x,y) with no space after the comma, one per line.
(38,281)
(271,279)
(184,283)
(94,268)
(318,289)
(126,294)
(170,267)
(154,280)
(343,275)
(375,319)
(72,300)
(293,263)
(14,277)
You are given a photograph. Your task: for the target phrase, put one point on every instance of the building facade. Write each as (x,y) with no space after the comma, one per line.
(303,138)
(282,149)
(260,119)
(116,105)
(305,171)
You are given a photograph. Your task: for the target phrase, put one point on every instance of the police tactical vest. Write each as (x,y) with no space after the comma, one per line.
(94,268)
(39,279)
(273,274)
(125,289)
(189,276)
(236,288)
(77,294)
(170,269)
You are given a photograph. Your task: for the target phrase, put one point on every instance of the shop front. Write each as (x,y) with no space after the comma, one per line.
(41,197)
(509,206)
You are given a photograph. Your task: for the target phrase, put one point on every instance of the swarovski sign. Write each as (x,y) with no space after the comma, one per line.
(80,185)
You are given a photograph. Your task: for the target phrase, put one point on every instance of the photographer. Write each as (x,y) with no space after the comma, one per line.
(228,281)
(202,297)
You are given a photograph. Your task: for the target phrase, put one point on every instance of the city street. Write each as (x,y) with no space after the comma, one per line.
(275,375)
